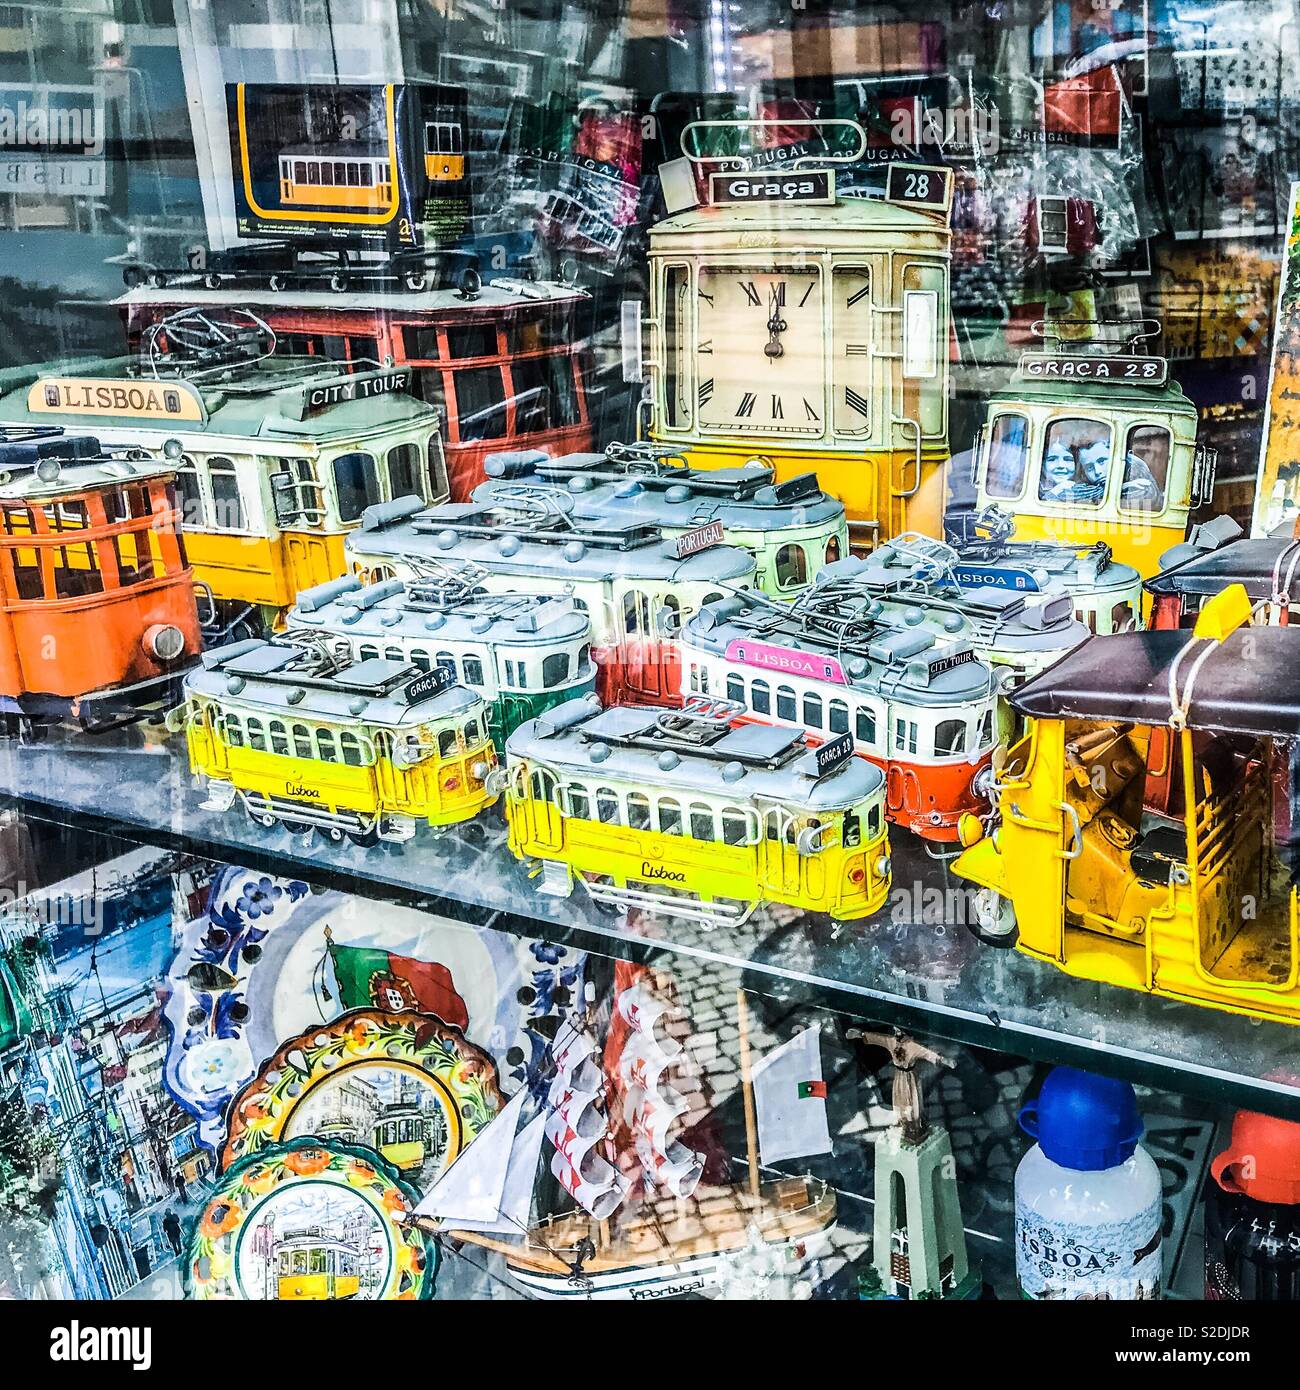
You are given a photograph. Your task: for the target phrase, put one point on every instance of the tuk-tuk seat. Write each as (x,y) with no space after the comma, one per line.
(1157,851)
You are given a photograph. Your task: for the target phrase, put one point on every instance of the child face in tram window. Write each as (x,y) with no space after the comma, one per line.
(1058,470)
(1094,457)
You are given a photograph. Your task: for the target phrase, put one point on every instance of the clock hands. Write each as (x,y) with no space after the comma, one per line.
(776,325)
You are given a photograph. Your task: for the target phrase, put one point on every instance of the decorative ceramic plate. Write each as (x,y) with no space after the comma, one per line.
(306,1221)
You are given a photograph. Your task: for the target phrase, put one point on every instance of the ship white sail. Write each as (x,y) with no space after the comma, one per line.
(489,1187)
(577,1127)
(651,1108)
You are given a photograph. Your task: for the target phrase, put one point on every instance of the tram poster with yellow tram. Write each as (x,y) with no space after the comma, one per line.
(380,164)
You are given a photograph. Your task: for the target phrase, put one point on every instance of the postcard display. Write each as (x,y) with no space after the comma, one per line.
(649,652)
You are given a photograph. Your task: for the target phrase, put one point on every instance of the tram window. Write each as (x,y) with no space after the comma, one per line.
(404,471)
(607,806)
(18,521)
(363,349)
(256,734)
(949,737)
(838,717)
(227,505)
(336,348)
(791,566)
(735,827)
(579,803)
(300,171)
(480,403)
(544,785)
(866,725)
(736,690)
(471,732)
(279,737)
(702,827)
(231,729)
(670,615)
(1008,456)
(812,711)
(832,550)
(473,667)
(190,494)
(677,405)
(985,737)
(545,398)
(394,653)
(636,612)
(350,748)
(1146,469)
(420,342)
(301,741)
(852,830)
(905,735)
(873,822)
(787,706)
(920,333)
(638,811)
(760,697)
(420,659)
(447,661)
(1076,462)
(472,340)
(447,743)
(325,746)
(427,387)
(555,670)
(695,677)
(1122,617)
(367,651)
(670,817)
(76,571)
(356,484)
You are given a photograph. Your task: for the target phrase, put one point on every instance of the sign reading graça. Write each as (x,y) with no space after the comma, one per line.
(831,755)
(777,186)
(1141,371)
(429,684)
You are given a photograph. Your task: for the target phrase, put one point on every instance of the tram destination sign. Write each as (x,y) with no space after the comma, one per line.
(1131,371)
(701,538)
(353,388)
(1009,577)
(927,186)
(774,186)
(831,755)
(949,661)
(428,684)
(128,397)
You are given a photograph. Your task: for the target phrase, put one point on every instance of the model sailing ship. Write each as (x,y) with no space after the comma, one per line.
(612,1117)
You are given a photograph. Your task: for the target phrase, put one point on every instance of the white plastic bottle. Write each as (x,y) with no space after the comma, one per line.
(1087,1194)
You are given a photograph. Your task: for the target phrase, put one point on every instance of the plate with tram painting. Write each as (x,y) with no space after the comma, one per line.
(307,1221)
(402,1084)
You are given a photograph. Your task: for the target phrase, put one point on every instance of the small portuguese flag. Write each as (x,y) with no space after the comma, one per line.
(370,979)
(809,1090)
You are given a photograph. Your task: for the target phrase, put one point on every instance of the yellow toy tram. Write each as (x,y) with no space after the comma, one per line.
(275,459)
(1083,449)
(1145,835)
(310,740)
(687,813)
(808,331)
(311,1266)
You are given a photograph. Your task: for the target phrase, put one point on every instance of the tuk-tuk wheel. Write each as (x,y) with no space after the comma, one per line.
(994,919)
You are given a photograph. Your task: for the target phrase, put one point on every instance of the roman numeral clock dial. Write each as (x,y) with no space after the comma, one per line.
(760,351)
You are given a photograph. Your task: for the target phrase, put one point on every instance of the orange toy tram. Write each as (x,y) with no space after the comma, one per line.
(98,598)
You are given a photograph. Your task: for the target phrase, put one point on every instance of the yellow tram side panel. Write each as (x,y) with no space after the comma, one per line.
(771,870)
(381,787)
(1164,956)
(257,569)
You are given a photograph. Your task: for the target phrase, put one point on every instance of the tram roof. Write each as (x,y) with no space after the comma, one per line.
(287,679)
(1252,562)
(848,215)
(1249,683)
(669,495)
(38,465)
(284,398)
(1073,567)
(395,608)
(589,548)
(1093,394)
(449,303)
(742,763)
(890,660)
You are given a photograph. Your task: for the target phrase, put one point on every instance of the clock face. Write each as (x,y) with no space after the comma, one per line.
(760,363)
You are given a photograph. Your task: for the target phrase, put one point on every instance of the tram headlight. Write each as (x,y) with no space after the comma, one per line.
(164,642)
(882,866)
(479,771)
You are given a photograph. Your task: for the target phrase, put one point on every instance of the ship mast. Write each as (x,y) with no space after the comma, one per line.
(747,1089)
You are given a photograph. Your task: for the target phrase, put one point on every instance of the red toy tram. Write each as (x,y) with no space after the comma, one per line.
(504,360)
(97,596)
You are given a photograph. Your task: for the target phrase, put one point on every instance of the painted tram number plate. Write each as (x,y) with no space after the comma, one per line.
(701,538)
(1144,371)
(777,186)
(919,185)
(831,755)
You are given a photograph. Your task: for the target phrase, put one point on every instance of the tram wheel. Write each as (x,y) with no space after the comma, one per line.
(365,838)
(339,281)
(158,279)
(993,919)
(212,280)
(415,280)
(276,282)
(297,827)
(333,833)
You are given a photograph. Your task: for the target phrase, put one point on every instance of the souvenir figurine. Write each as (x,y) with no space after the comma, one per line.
(684,813)
(803,327)
(1142,829)
(274,460)
(102,625)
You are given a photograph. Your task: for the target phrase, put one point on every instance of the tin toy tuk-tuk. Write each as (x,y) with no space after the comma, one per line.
(1215,555)
(1142,832)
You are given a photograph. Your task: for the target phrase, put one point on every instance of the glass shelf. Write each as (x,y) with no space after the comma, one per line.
(906,966)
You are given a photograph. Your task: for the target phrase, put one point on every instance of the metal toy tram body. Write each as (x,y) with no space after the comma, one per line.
(97,596)
(916,705)
(275,460)
(1143,834)
(687,813)
(305,739)
(635,586)
(791,528)
(521,652)
(1086,449)
(809,330)
(506,363)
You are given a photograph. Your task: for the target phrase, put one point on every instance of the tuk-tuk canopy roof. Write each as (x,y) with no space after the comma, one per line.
(1251,562)
(1249,684)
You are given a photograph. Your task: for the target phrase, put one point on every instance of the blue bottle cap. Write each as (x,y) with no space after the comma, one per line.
(1083,1121)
